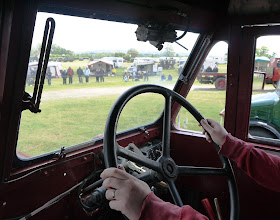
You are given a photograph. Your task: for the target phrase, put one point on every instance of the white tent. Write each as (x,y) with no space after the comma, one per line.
(54,67)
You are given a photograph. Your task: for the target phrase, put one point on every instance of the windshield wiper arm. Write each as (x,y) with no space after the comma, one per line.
(33,103)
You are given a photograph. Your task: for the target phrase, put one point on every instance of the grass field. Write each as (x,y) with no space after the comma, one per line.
(71,121)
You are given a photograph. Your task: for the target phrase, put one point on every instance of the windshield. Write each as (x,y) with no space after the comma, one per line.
(91,63)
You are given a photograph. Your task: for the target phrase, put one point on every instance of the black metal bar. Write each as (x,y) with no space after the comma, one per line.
(49,32)
(39,69)
(166,127)
(142,160)
(196,171)
(175,194)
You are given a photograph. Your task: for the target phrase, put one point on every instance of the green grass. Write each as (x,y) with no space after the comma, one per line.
(67,122)
(71,121)
(222,68)
(208,103)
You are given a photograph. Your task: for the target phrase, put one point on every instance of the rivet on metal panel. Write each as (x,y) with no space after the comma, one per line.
(84,158)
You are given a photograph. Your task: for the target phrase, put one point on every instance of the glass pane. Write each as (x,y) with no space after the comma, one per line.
(105,59)
(208,92)
(131,116)
(265,106)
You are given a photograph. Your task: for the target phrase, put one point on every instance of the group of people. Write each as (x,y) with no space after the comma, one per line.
(99,74)
(169,77)
(209,69)
(145,75)
(67,73)
(136,76)
(70,72)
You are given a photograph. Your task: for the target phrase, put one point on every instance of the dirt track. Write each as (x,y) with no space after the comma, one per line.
(91,92)
(86,92)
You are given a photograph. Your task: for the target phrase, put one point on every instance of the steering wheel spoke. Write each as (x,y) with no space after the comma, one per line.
(166,127)
(139,159)
(174,193)
(196,171)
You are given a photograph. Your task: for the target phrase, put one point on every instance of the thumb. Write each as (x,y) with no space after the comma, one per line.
(206,126)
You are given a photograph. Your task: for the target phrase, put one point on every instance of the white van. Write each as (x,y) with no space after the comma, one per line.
(117,61)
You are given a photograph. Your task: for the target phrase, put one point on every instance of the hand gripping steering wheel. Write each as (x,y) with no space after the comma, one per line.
(165,165)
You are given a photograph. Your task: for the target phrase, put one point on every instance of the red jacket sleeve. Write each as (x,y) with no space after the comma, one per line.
(154,208)
(259,165)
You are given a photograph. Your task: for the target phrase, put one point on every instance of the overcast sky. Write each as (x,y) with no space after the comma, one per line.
(82,34)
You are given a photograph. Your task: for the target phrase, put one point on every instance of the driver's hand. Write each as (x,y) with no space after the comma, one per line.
(125,192)
(216,131)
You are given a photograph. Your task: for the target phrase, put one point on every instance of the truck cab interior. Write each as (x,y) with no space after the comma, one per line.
(56,139)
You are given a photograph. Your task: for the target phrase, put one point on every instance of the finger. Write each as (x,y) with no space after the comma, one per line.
(112,182)
(208,138)
(111,194)
(206,126)
(211,122)
(121,167)
(115,204)
(114,172)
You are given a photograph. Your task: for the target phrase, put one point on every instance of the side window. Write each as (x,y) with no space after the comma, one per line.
(208,92)
(265,105)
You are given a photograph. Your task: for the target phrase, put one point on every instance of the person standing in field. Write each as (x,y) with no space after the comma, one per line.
(146,76)
(80,74)
(49,76)
(114,72)
(102,72)
(70,73)
(97,74)
(64,76)
(86,73)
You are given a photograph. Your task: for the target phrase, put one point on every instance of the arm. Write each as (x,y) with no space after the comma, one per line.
(135,200)
(262,167)
(154,208)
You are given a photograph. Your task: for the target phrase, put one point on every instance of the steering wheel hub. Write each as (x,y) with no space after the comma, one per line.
(169,168)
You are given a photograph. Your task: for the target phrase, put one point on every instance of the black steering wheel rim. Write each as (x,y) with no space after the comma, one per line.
(111,149)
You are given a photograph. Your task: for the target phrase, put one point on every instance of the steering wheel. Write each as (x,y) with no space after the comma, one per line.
(165,165)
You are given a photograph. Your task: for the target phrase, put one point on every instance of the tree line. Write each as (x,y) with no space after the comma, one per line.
(61,54)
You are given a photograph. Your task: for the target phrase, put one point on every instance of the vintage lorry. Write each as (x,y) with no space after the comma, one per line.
(270,72)
(218,79)
(55,141)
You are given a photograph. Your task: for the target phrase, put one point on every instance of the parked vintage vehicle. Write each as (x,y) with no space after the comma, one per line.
(265,117)
(56,140)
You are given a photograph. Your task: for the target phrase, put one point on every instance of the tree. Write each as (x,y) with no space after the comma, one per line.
(35,51)
(119,54)
(169,51)
(57,50)
(132,53)
(263,51)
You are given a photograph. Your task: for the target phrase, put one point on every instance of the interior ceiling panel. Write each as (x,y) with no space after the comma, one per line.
(253,7)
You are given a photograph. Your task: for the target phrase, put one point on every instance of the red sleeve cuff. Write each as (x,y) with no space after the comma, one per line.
(155,208)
